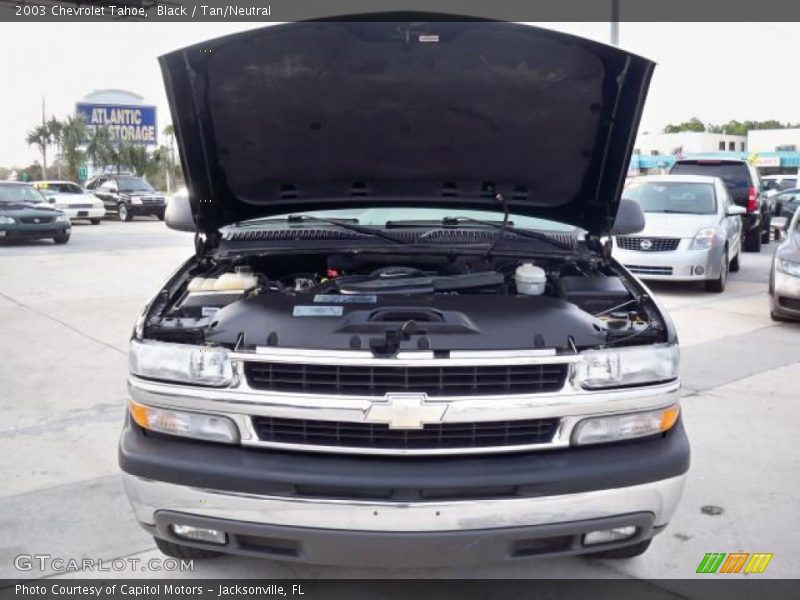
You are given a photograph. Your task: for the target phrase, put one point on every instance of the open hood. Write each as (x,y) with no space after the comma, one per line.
(351,113)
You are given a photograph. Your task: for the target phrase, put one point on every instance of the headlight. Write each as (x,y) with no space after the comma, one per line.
(784,266)
(7,221)
(628,366)
(615,428)
(62,219)
(214,428)
(181,363)
(704,240)
(136,200)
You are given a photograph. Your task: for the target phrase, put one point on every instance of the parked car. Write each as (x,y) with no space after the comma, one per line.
(24,214)
(786,204)
(73,200)
(784,277)
(774,184)
(402,338)
(745,187)
(693,230)
(128,196)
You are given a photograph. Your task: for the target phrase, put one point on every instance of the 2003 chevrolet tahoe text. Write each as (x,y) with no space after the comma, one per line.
(402,339)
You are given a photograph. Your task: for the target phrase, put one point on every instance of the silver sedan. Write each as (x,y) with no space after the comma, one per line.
(784,278)
(693,230)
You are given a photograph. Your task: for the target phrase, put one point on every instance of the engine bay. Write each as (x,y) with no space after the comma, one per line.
(388,303)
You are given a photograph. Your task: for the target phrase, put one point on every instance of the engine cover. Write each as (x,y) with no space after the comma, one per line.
(438,322)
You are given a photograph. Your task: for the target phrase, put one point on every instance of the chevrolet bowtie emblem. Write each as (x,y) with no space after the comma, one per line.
(406,411)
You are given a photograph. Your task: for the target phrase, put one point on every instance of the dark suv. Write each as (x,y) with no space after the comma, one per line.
(128,196)
(744,185)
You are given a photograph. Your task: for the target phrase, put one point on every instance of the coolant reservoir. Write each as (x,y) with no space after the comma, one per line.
(242,280)
(196,284)
(530,279)
(208,284)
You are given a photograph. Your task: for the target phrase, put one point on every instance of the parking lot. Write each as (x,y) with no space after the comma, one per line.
(66,313)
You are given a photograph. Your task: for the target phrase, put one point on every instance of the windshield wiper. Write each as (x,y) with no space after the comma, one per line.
(350,226)
(535,235)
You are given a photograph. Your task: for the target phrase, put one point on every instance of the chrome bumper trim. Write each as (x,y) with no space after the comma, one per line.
(659,497)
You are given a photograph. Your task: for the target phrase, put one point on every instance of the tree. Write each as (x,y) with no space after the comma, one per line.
(73,135)
(693,124)
(55,129)
(40,136)
(99,146)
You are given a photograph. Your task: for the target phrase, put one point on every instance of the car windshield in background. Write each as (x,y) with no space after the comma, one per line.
(134,184)
(60,188)
(19,193)
(664,197)
(735,175)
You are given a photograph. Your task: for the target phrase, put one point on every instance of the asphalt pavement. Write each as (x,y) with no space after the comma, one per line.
(66,313)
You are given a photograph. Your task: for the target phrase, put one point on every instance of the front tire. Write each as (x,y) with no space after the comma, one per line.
(123,212)
(95,221)
(624,552)
(752,241)
(160,215)
(718,285)
(735,266)
(61,239)
(766,233)
(180,551)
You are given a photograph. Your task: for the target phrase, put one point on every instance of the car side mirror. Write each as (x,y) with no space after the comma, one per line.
(112,190)
(629,219)
(735,211)
(178,215)
(51,200)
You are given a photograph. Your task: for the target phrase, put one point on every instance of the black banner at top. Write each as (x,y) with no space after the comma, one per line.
(67,11)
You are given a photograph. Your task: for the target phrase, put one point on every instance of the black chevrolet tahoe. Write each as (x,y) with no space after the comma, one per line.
(402,339)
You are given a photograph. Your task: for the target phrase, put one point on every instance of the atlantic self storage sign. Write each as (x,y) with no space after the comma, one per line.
(127,123)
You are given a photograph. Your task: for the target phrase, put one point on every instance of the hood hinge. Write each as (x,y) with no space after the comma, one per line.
(203,242)
(603,248)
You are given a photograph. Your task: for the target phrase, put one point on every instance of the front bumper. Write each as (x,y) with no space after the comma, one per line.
(84,213)
(785,296)
(397,511)
(682,264)
(41,231)
(154,208)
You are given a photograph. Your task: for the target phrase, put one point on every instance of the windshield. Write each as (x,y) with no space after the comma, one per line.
(59,188)
(378,217)
(735,175)
(668,197)
(134,184)
(19,193)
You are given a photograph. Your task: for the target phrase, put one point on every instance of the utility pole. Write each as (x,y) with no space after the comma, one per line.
(615,22)
(44,142)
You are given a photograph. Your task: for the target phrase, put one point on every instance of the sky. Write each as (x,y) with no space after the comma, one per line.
(713,71)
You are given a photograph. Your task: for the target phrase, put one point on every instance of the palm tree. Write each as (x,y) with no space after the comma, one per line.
(40,136)
(55,129)
(73,136)
(99,146)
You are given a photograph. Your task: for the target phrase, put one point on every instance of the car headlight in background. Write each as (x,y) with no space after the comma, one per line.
(636,365)
(704,240)
(62,219)
(136,200)
(784,266)
(7,221)
(214,428)
(615,428)
(181,363)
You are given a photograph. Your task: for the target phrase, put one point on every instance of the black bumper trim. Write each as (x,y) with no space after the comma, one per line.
(404,549)
(279,473)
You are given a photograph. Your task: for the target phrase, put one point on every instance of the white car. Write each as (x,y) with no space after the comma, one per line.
(73,200)
(693,230)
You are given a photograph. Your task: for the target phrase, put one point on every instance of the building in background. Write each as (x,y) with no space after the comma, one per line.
(689,142)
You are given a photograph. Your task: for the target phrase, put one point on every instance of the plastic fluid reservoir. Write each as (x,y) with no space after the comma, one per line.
(196,284)
(208,284)
(241,280)
(530,279)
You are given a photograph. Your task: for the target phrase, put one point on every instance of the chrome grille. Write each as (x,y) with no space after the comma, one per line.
(647,244)
(431,437)
(649,270)
(367,380)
